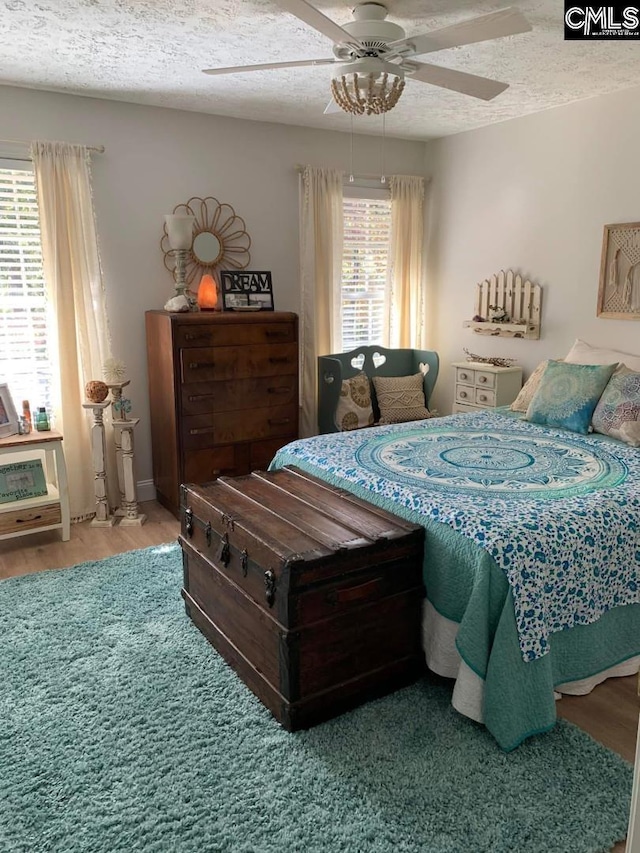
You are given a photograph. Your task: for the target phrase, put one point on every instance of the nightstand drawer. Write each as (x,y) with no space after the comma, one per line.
(464,376)
(459,408)
(485,397)
(485,380)
(465,395)
(19,520)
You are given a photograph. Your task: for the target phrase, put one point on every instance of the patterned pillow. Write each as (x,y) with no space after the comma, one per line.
(568,394)
(521,403)
(354,404)
(618,411)
(401,398)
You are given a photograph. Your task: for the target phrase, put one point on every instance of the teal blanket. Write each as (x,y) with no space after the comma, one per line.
(529,532)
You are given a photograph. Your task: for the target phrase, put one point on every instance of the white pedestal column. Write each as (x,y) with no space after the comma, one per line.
(116,416)
(103,517)
(127,482)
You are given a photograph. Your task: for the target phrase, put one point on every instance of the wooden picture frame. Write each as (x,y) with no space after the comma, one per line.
(619,287)
(246,290)
(9,423)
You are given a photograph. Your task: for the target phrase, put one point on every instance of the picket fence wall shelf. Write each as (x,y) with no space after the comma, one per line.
(516,302)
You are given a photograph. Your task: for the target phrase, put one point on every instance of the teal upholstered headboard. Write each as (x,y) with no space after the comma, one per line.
(332,369)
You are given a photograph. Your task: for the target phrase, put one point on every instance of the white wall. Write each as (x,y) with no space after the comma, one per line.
(532,194)
(158,158)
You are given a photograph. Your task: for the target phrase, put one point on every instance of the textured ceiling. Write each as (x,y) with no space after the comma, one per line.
(152,52)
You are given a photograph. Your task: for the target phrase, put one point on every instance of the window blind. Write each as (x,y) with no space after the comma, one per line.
(367,232)
(25,342)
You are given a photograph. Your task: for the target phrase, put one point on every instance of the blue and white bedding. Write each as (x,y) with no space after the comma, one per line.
(550,527)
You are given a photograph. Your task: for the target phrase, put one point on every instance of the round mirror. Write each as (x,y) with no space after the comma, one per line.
(220,240)
(206,247)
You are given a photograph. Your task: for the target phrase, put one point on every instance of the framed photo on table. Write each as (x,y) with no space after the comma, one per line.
(246,290)
(8,415)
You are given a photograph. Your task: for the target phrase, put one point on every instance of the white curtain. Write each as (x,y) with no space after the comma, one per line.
(406,280)
(321,236)
(74,282)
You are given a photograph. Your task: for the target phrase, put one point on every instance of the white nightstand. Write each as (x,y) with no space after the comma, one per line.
(483,386)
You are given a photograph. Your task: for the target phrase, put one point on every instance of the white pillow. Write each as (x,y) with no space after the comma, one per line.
(583,353)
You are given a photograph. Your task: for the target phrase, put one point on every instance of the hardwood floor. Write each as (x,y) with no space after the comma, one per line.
(609,713)
(39,551)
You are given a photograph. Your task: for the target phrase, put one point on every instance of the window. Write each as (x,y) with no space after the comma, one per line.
(367,233)
(25,342)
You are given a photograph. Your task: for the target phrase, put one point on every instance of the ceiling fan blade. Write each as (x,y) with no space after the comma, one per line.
(505,22)
(458,81)
(332,107)
(312,16)
(266,66)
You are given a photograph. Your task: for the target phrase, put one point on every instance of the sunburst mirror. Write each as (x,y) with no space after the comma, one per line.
(220,240)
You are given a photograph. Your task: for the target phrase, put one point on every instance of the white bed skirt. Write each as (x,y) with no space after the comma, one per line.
(438,641)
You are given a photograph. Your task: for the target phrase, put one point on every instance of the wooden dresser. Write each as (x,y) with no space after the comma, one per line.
(223,392)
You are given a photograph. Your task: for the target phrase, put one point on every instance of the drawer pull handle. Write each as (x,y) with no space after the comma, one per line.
(188,522)
(193,398)
(463,376)
(278,359)
(279,421)
(354,593)
(483,398)
(463,394)
(244,562)
(281,389)
(201,430)
(190,337)
(482,378)
(198,365)
(207,533)
(224,551)
(23,520)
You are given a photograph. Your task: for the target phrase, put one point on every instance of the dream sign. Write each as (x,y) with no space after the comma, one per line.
(246,290)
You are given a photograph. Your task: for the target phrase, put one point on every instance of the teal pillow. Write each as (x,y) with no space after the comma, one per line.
(568,394)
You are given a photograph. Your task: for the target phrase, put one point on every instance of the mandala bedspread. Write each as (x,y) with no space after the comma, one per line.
(558,512)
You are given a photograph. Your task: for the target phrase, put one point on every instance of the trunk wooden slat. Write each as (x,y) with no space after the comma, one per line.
(313,596)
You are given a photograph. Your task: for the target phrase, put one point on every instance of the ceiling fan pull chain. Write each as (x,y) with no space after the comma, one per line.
(383,177)
(351,178)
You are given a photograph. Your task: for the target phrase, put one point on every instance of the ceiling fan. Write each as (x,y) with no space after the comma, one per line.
(372,56)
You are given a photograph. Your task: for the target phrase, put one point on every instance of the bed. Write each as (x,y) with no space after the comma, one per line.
(532,554)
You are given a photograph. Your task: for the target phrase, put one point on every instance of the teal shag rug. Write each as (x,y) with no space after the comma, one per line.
(123,730)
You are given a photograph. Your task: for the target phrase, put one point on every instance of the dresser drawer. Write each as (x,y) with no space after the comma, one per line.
(485,397)
(201,466)
(225,396)
(262,452)
(202,431)
(30,519)
(231,335)
(199,364)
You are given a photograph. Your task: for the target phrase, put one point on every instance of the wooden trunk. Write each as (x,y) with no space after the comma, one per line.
(313,596)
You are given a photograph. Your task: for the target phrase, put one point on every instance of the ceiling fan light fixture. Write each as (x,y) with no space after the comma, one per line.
(367,93)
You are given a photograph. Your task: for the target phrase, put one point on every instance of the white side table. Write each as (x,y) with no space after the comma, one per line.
(50,511)
(484,386)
